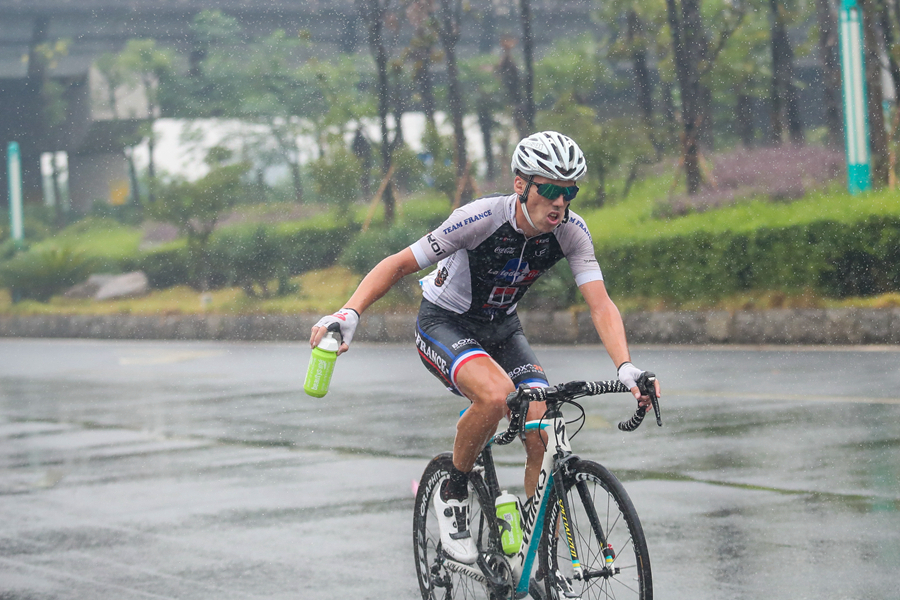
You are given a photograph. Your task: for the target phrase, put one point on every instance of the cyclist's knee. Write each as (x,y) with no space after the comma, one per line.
(492,404)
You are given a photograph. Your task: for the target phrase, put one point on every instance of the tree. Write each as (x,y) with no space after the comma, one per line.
(784,97)
(375,14)
(877,133)
(449,16)
(482,85)
(528,56)
(694,57)
(831,71)
(143,64)
(110,66)
(194,207)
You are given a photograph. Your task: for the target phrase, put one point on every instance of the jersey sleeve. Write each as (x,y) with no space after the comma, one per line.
(462,229)
(578,247)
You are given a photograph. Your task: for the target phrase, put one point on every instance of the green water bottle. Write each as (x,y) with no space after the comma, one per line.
(321,365)
(508,517)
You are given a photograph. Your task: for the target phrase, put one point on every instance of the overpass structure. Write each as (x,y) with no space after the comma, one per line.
(54,44)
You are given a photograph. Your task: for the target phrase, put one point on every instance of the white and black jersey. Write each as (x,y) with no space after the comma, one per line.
(486,263)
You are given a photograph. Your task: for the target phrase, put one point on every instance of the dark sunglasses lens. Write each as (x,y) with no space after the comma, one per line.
(552,192)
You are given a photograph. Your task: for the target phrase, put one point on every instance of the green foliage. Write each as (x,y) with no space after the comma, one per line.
(165,267)
(834,259)
(250,256)
(409,171)
(39,274)
(312,245)
(194,206)
(251,259)
(336,176)
(369,248)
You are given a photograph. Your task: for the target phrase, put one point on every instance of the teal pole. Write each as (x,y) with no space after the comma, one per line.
(853,77)
(14,178)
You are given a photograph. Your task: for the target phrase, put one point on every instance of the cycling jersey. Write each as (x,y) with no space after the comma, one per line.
(485,263)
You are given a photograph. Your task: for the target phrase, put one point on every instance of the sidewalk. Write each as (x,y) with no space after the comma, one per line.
(783,326)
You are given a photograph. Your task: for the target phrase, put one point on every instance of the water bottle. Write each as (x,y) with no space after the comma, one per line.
(321,365)
(508,516)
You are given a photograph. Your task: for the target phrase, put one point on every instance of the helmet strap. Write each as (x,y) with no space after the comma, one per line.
(523,198)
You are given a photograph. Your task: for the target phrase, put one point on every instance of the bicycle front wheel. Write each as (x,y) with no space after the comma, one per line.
(599,510)
(439,577)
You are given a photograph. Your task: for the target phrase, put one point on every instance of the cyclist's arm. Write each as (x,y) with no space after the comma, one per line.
(375,285)
(381,279)
(607,320)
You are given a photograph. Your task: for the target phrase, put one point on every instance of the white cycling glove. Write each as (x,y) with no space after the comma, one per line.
(346,318)
(628,374)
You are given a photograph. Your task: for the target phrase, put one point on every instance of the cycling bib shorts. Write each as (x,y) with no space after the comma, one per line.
(446,341)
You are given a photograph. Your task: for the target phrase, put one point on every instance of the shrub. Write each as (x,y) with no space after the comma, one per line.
(369,248)
(251,259)
(834,259)
(336,177)
(165,267)
(39,275)
(311,245)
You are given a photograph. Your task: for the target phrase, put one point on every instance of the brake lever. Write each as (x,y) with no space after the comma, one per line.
(646,383)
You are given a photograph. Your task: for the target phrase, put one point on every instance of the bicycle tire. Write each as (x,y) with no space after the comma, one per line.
(629,575)
(438,580)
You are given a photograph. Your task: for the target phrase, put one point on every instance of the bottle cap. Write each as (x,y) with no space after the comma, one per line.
(331,342)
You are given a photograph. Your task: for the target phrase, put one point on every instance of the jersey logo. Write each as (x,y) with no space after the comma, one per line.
(501,296)
(435,247)
(515,271)
(466,221)
(441,277)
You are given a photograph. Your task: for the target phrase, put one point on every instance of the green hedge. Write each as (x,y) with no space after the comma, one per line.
(248,253)
(832,258)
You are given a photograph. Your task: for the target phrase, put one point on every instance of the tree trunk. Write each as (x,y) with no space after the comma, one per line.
(399,102)
(643,83)
(877,133)
(448,26)
(831,72)
(509,75)
(486,124)
(528,54)
(685,26)
(785,101)
(373,13)
(744,116)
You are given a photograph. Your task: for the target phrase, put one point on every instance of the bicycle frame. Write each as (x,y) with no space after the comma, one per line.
(557,450)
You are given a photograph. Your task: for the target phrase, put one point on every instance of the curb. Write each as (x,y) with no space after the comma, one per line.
(845,326)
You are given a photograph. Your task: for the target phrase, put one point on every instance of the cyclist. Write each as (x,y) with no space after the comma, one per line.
(468,334)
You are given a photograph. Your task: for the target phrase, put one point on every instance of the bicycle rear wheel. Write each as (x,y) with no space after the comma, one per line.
(439,577)
(598,507)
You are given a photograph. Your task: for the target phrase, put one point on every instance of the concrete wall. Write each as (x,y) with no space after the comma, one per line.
(836,326)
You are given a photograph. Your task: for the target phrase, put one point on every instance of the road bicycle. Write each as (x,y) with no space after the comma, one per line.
(579,525)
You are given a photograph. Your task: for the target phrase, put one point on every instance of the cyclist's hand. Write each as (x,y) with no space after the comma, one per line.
(628,374)
(346,318)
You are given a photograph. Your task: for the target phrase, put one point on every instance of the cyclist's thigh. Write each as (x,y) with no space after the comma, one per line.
(446,344)
(514,354)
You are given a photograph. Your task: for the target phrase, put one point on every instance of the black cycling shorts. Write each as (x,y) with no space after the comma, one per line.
(446,341)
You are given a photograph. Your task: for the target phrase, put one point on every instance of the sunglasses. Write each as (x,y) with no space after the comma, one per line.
(552,192)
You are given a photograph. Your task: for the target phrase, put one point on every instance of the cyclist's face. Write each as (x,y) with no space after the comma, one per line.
(545,213)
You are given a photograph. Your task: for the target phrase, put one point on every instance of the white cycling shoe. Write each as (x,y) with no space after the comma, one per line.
(453,521)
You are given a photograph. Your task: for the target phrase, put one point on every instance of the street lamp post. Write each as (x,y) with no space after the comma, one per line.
(14,177)
(853,77)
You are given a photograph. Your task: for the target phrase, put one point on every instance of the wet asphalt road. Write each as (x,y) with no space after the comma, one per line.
(200,470)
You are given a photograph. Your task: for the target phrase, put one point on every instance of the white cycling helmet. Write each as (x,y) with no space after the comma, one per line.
(551,155)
